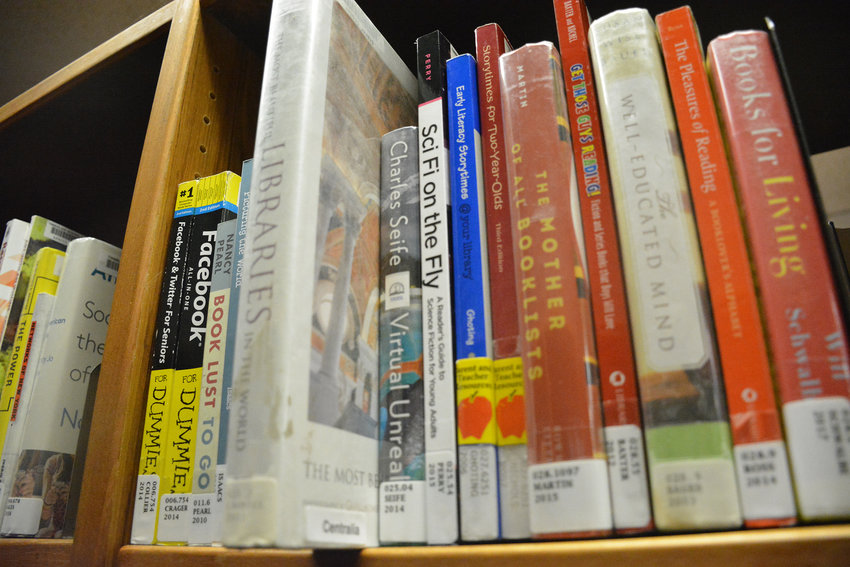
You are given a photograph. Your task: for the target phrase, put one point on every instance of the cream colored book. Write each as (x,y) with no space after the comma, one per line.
(76,337)
(688,440)
(303,435)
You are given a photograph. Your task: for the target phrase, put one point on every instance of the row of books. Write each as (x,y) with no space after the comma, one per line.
(658,368)
(527,313)
(56,288)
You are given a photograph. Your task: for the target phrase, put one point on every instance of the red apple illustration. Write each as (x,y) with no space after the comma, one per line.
(473,415)
(510,415)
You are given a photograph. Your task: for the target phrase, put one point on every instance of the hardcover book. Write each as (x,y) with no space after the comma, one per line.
(215,202)
(74,344)
(620,403)
(432,52)
(230,346)
(211,396)
(163,352)
(42,277)
(401,497)
(42,311)
(303,441)
(476,417)
(490,43)
(43,233)
(12,252)
(568,473)
(761,461)
(688,443)
(807,337)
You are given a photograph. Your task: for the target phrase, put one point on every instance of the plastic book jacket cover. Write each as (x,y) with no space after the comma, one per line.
(75,340)
(303,438)
(490,43)
(799,303)
(761,461)
(433,50)
(11,259)
(402,395)
(567,467)
(686,424)
(617,373)
(476,417)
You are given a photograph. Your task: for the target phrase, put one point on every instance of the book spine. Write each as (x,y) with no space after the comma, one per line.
(76,337)
(566,452)
(761,461)
(216,201)
(691,469)
(802,313)
(212,393)
(11,260)
(401,500)
(303,443)
(490,43)
(230,348)
(432,52)
(475,394)
(12,446)
(43,233)
(44,277)
(163,351)
(620,402)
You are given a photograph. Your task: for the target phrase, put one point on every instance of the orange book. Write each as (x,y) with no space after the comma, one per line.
(618,377)
(802,313)
(761,462)
(568,473)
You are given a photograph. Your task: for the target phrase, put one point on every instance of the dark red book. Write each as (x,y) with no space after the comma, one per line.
(799,303)
(568,472)
(490,43)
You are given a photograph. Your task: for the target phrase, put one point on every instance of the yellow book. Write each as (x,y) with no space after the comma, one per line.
(163,353)
(44,279)
(215,201)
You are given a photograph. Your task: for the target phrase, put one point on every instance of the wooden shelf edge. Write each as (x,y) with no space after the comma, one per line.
(52,552)
(130,38)
(799,546)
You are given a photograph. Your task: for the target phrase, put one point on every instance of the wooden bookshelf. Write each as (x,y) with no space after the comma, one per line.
(193,69)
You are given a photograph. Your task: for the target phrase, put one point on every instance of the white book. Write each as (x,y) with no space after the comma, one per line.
(11,259)
(433,50)
(75,339)
(12,445)
(302,441)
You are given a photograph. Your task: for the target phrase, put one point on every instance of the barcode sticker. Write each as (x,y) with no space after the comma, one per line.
(59,233)
(818,433)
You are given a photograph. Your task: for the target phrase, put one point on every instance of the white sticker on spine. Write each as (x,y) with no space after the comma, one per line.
(764,481)
(556,489)
(627,470)
(818,432)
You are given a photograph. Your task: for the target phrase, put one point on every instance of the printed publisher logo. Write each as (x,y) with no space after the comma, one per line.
(397,288)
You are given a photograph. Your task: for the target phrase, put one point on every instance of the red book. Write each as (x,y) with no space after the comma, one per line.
(568,474)
(806,334)
(620,402)
(490,43)
(761,462)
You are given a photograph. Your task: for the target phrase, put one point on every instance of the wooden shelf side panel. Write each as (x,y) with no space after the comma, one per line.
(202,121)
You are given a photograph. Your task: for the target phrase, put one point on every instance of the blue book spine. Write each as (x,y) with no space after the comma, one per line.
(473,333)
(474,377)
